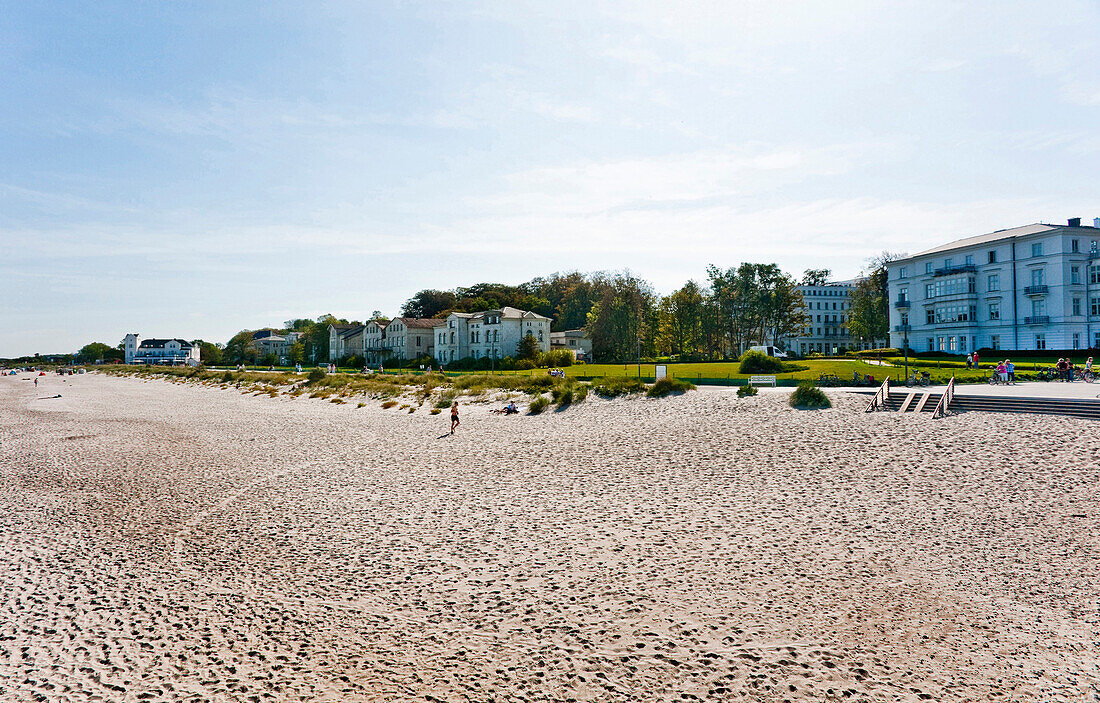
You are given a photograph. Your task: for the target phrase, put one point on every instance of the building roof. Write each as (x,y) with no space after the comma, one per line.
(998,236)
(570,333)
(159,343)
(341,328)
(420,322)
(349,331)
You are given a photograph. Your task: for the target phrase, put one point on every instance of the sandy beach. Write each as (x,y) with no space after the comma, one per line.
(169,542)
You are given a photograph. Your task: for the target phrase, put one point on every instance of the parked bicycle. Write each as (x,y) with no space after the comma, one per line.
(828,379)
(924,379)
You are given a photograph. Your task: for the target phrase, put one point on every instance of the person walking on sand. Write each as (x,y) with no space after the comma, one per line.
(454,416)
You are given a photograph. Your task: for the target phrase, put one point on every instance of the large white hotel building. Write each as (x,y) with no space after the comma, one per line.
(1030,287)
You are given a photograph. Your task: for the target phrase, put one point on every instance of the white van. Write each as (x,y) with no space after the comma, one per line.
(770,351)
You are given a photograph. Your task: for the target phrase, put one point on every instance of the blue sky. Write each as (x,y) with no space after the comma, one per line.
(186,169)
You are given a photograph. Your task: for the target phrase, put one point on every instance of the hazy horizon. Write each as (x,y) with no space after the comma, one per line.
(180,171)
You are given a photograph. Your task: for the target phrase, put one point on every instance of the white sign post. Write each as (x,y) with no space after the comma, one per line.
(660,372)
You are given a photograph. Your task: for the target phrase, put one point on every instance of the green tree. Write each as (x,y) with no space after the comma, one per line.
(622,318)
(241,349)
(816,277)
(528,348)
(209,353)
(869,309)
(429,303)
(98,351)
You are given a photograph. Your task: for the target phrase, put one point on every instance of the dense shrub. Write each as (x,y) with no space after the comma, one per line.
(562,396)
(316,375)
(889,351)
(668,385)
(538,405)
(556,358)
(759,362)
(525,365)
(807,395)
(747,390)
(612,386)
(227,377)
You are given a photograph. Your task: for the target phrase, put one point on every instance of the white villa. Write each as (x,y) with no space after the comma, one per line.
(159,351)
(1030,287)
(345,340)
(271,342)
(489,334)
(576,341)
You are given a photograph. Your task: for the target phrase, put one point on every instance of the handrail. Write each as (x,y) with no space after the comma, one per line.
(944,405)
(881,396)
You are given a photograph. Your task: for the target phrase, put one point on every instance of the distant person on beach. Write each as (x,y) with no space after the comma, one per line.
(454,416)
(36,381)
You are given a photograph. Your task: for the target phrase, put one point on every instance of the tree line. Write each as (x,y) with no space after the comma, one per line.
(713,319)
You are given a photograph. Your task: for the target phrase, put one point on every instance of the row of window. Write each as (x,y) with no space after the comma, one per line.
(947,314)
(952,343)
(968,260)
(966,284)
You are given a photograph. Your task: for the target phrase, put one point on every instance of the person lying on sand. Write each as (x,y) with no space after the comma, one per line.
(509,409)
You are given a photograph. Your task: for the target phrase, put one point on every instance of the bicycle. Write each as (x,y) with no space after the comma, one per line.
(925,379)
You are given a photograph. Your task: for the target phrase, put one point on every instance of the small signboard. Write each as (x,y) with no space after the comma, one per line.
(659,372)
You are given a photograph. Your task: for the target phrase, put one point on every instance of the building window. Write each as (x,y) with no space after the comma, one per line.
(1094,306)
(995,341)
(903,294)
(1096,339)
(930,316)
(903,272)
(962,343)
(1037,250)
(905,318)
(1040,340)
(941,343)
(947,263)
(1038,308)
(1075,247)
(1076,306)
(993,256)
(927,291)
(1075,275)
(1094,275)
(931,344)
(1076,335)
(953,343)
(993,282)
(969,259)
(994,311)
(1036,277)
(928,267)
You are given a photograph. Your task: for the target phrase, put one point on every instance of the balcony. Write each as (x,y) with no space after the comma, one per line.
(949,270)
(902,303)
(1037,320)
(1036,290)
(903,328)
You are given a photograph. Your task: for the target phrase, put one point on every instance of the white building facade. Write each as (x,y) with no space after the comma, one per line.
(344,340)
(576,341)
(828,309)
(489,334)
(1027,288)
(159,351)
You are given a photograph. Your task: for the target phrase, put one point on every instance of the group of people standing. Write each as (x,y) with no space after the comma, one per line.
(1065,370)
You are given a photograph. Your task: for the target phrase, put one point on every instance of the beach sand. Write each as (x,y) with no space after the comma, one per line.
(169,542)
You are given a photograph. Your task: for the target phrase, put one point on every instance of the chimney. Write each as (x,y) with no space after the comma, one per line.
(1074,221)
(1096,222)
